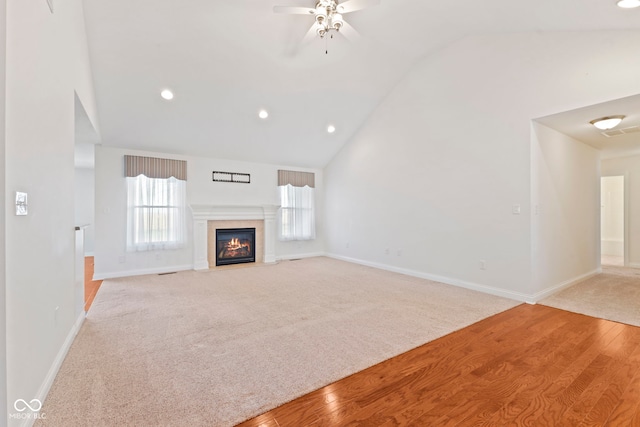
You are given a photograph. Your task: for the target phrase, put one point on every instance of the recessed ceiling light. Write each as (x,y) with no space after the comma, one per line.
(628,4)
(606,123)
(167,94)
(263,114)
(331,128)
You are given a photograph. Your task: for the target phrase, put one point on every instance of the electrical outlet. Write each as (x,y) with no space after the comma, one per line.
(399,253)
(483,265)
(347,245)
(122,259)
(386,251)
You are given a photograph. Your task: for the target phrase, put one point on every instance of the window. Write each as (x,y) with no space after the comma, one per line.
(297,214)
(155,205)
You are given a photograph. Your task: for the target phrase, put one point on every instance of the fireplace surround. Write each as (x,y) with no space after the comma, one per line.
(208,218)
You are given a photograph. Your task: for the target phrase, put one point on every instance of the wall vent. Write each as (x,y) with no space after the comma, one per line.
(612,133)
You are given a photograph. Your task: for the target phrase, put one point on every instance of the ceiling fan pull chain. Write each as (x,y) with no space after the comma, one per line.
(326,41)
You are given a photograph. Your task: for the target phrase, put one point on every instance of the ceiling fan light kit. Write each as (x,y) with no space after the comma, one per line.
(329,15)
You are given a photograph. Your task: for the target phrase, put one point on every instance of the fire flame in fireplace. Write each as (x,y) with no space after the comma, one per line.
(235,245)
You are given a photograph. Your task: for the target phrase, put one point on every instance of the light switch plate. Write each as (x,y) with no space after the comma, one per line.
(21,203)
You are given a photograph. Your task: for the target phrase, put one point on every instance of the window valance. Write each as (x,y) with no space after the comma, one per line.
(153,167)
(296,179)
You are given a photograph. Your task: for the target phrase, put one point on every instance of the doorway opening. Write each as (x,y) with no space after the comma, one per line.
(612,220)
(86,139)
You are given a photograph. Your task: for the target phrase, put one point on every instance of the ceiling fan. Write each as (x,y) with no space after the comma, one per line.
(328,16)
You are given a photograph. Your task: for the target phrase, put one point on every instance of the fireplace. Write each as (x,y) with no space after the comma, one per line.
(235,245)
(208,218)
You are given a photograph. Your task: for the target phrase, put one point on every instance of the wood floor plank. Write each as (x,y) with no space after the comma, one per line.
(531,365)
(615,387)
(626,412)
(500,358)
(302,414)
(544,364)
(623,355)
(547,406)
(91,286)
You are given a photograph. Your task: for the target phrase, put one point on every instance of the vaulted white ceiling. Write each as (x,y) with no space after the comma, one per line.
(225,60)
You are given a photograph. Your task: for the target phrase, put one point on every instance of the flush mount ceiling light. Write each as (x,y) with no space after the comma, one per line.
(628,4)
(263,114)
(331,128)
(328,16)
(167,94)
(606,123)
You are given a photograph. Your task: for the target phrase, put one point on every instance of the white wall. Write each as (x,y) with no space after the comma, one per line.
(629,166)
(45,63)
(84,205)
(437,168)
(111,258)
(566,213)
(5,205)
(612,215)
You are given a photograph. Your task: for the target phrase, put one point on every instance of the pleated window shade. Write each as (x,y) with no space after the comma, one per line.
(296,179)
(153,167)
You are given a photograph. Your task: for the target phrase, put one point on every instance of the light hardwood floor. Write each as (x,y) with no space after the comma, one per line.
(90,286)
(532,365)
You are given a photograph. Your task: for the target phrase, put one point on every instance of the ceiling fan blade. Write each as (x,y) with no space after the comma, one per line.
(311,34)
(349,32)
(353,5)
(294,10)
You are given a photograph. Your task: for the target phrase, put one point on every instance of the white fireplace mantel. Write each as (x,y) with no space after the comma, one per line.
(204,213)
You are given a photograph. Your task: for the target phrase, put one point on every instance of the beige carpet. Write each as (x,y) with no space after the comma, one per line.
(215,348)
(612,295)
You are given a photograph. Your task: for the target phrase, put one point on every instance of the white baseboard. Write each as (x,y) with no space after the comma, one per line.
(141,272)
(298,256)
(567,283)
(55,367)
(518,296)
